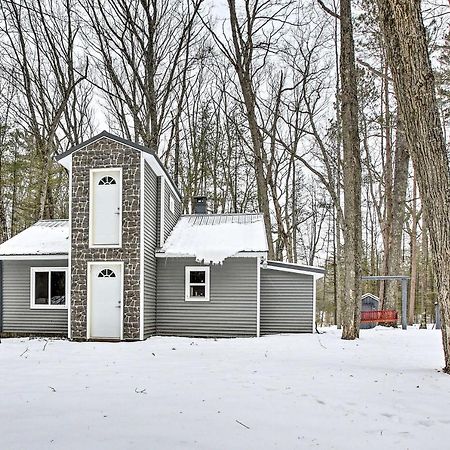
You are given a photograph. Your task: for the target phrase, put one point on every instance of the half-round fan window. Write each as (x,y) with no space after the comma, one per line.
(106,181)
(106,273)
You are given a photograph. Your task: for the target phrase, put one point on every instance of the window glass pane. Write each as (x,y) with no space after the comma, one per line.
(41,288)
(58,288)
(197,276)
(197,291)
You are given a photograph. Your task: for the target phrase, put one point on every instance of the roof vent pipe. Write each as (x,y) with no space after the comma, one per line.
(199,203)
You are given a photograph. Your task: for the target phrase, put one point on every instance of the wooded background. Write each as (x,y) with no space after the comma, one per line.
(242,101)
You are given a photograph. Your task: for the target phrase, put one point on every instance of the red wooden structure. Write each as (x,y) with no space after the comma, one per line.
(388,315)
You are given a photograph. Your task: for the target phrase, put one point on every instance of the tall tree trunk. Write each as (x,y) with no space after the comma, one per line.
(3,224)
(406,42)
(397,216)
(388,188)
(413,283)
(243,52)
(351,179)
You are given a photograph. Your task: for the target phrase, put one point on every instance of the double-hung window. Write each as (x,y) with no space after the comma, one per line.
(197,284)
(48,288)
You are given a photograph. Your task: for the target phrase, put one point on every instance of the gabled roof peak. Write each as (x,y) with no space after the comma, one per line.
(107,135)
(150,155)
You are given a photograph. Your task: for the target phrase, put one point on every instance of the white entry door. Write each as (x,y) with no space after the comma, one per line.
(105,301)
(106,214)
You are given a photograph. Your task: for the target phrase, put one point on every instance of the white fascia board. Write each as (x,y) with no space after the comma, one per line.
(161,173)
(237,255)
(314,306)
(66,162)
(296,264)
(142,247)
(33,257)
(368,294)
(258,298)
(317,276)
(162,201)
(69,262)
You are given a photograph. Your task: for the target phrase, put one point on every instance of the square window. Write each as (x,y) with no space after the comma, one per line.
(48,287)
(197,284)
(197,276)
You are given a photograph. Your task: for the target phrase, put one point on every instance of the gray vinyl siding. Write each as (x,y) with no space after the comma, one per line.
(18,317)
(231,310)
(286,302)
(150,242)
(158,204)
(170,218)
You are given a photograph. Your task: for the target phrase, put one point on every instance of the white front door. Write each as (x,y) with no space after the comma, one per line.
(106,217)
(105,301)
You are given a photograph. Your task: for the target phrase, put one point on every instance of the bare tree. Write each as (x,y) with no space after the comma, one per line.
(41,63)
(142,53)
(397,215)
(351,178)
(406,44)
(252,40)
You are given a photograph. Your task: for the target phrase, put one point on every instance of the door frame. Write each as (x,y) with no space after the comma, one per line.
(91,204)
(90,264)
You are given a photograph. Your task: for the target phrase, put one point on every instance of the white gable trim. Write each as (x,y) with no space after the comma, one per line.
(151,159)
(161,173)
(33,257)
(316,275)
(368,294)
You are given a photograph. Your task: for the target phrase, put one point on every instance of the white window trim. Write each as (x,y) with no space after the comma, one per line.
(171,204)
(35,270)
(187,284)
(91,203)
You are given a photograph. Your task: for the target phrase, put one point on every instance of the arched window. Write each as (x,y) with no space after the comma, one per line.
(106,273)
(106,181)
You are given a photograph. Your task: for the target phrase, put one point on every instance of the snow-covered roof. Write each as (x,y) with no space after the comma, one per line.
(45,237)
(212,238)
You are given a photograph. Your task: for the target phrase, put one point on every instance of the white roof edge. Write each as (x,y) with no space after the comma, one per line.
(66,162)
(296,264)
(162,254)
(367,294)
(34,256)
(316,275)
(151,161)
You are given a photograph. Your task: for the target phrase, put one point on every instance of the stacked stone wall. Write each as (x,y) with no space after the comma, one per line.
(106,153)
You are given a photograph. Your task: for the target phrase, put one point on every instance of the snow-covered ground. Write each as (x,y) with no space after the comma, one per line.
(291,391)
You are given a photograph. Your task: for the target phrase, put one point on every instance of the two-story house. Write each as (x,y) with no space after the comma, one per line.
(127,264)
